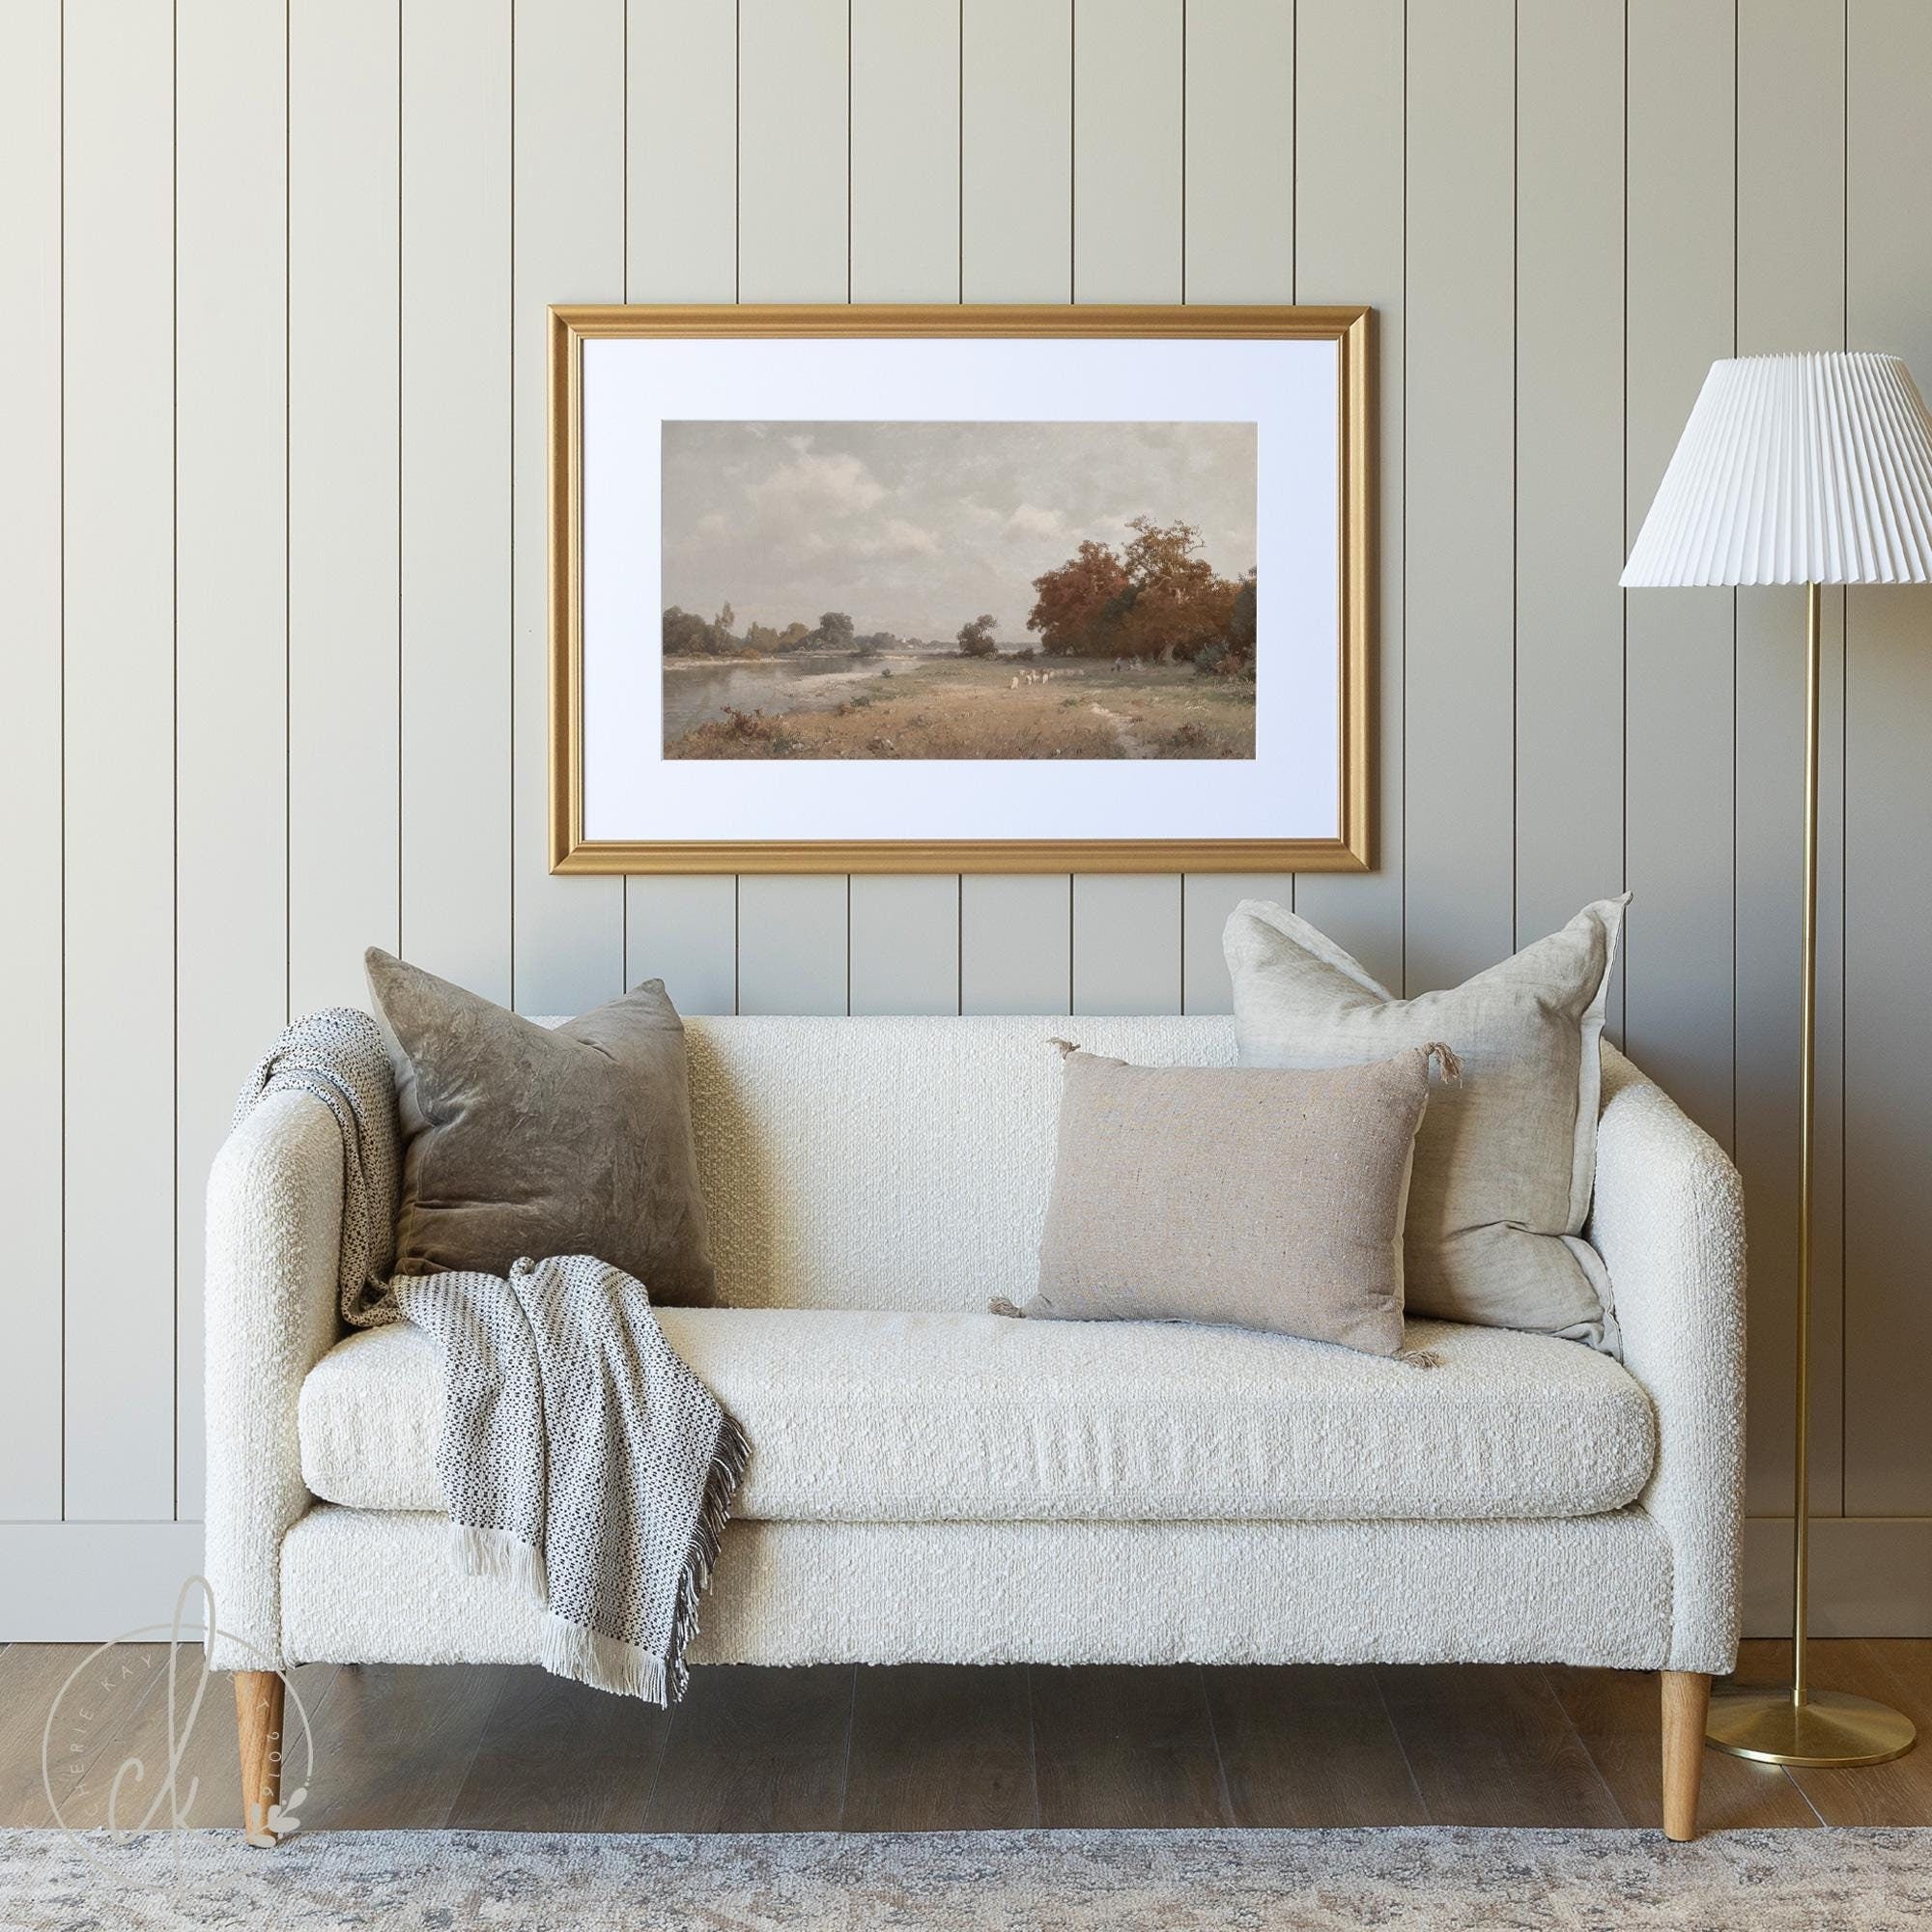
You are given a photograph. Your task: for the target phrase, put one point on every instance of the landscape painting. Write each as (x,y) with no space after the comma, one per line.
(860,590)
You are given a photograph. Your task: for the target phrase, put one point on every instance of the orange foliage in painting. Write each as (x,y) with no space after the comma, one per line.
(1073,613)
(1158,600)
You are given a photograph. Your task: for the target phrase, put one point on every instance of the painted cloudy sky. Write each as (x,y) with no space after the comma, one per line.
(915,527)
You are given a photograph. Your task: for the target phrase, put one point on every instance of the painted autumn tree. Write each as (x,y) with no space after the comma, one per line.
(1160,599)
(1072,612)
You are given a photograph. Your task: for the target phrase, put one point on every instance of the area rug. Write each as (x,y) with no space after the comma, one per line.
(1820,1881)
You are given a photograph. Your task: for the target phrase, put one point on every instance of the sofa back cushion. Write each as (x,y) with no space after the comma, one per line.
(892,1163)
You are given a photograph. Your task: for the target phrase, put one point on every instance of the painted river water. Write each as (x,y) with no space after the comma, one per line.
(696,691)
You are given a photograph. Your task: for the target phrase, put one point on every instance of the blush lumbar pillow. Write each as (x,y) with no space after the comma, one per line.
(1252,1198)
(522,1140)
(1505,1161)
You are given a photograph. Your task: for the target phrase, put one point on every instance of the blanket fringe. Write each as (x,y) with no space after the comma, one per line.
(604,1663)
(728,1458)
(502,1554)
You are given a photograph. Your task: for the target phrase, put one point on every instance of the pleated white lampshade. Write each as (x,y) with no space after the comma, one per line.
(1808,469)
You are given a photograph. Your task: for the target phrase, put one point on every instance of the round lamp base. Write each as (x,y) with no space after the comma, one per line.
(1830,1729)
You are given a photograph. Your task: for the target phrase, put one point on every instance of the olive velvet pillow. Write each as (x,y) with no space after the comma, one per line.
(1505,1161)
(1249,1197)
(522,1140)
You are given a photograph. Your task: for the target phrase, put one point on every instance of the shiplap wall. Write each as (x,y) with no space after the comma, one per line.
(272,559)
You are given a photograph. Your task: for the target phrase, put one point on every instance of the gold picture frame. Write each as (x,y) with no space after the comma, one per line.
(1352,850)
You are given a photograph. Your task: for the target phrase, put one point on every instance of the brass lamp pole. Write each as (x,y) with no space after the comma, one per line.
(1802,1725)
(1812,470)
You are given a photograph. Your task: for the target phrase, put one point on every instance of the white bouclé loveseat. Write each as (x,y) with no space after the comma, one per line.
(932,1482)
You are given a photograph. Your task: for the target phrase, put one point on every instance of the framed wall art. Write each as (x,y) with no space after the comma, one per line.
(961,589)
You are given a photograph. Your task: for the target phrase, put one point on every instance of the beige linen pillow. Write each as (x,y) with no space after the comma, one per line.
(522,1140)
(1253,1198)
(1505,1161)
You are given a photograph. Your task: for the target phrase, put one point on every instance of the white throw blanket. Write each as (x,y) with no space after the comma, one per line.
(582,1461)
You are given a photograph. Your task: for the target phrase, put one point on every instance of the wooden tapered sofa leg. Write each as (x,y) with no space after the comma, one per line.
(258,1729)
(1686,1703)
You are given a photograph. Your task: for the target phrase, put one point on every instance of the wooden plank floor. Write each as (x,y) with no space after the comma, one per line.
(937,1747)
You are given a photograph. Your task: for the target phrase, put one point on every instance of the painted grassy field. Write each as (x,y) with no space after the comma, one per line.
(978,708)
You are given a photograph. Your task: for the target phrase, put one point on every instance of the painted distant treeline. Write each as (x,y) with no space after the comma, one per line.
(687,635)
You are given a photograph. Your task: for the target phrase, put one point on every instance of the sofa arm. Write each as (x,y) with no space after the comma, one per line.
(274,1226)
(1669,1222)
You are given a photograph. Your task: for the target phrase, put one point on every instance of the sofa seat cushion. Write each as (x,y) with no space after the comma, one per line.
(866,1416)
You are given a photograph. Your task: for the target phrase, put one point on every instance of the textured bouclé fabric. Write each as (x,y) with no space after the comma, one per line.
(1505,1157)
(1592,1589)
(1669,1218)
(522,1140)
(1258,1197)
(890,1162)
(1063,1421)
(902,1165)
(268,1310)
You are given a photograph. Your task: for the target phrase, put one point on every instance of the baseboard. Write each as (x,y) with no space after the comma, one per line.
(1871,1576)
(84,1583)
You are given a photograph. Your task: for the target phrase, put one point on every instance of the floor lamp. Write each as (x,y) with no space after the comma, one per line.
(1808,469)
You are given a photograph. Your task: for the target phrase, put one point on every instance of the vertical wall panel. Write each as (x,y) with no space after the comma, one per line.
(905,150)
(344,523)
(1016,195)
(905,247)
(1015,943)
(684,930)
(1241,113)
(231,578)
(1206,899)
(1791,181)
(1016,244)
(792,944)
(793,151)
(1888,879)
(568,246)
(1678,774)
(905,943)
(793,245)
(1126,943)
(1569,462)
(30,746)
(1348,244)
(681,244)
(1128,244)
(1127,238)
(119,937)
(682,150)
(1460,545)
(1239,223)
(456,491)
